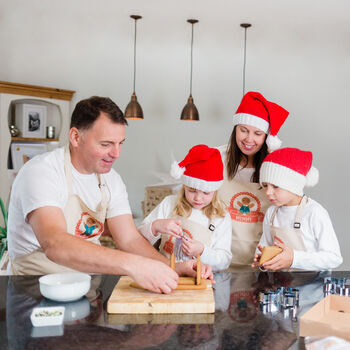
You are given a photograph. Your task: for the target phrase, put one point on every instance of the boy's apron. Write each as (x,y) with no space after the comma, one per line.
(291,237)
(191,229)
(81,222)
(246,203)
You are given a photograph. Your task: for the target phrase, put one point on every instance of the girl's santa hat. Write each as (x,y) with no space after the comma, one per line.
(201,169)
(290,169)
(267,116)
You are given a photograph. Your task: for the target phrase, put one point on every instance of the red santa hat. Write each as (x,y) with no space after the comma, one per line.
(267,116)
(201,169)
(290,169)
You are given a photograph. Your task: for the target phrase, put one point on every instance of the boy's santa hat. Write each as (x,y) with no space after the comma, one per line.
(290,169)
(267,116)
(201,169)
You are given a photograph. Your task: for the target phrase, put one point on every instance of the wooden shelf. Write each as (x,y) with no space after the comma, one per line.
(34,90)
(32,139)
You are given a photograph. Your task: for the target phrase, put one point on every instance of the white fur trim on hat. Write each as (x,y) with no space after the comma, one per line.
(250,119)
(201,185)
(176,171)
(312,177)
(283,177)
(273,142)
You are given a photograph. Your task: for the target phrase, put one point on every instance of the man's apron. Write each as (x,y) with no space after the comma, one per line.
(191,229)
(81,222)
(246,203)
(291,237)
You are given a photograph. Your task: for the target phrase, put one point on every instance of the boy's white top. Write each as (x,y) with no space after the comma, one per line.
(217,254)
(42,182)
(321,243)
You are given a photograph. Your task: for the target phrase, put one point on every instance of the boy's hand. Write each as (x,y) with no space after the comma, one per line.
(191,247)
(168,226)
(282,260)
(189,268)
(257,257)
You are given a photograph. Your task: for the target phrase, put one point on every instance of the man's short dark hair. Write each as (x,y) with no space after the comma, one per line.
(87,111)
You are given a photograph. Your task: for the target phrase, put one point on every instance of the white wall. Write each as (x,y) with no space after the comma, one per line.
(298,54)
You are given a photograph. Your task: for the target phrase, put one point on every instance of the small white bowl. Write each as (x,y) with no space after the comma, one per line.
(65,286)
(47,316)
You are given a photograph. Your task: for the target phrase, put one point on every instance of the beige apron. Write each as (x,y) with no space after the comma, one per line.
(291,237)
(246,203)
(191,229)
(81,222)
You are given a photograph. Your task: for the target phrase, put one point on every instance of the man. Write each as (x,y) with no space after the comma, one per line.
(61,200)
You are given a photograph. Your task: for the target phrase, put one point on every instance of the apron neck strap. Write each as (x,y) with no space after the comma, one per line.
(298,215)
(68,172)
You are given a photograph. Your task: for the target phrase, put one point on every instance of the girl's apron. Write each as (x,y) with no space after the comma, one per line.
(246,203)
(291,237)
(191,229)
(81,222)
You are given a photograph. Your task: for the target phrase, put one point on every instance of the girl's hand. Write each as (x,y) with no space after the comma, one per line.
(282,260)
(189,268)
(168,226)
(257,257)
(191,247)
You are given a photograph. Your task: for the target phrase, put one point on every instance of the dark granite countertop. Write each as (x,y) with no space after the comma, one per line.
(238,322)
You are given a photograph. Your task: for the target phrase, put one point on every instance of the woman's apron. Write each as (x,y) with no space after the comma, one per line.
(246,203)
(291,237)
(81,222)
(191,229)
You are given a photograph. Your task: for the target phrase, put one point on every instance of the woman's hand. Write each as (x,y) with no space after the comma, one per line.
(282,260)
(191,247)
(168,226)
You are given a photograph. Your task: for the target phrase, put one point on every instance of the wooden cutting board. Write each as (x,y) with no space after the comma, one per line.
(129,300)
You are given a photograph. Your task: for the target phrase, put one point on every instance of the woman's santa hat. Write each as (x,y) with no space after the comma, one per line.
(290,169)
(201,169)
(267,116)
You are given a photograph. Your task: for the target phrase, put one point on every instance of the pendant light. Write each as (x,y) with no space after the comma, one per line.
(245,26)
(190,111)
(133,109)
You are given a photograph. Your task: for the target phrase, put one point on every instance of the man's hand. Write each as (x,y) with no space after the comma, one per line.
(189,268)
(282,260)
(154,275)
(191,247)
(168,226)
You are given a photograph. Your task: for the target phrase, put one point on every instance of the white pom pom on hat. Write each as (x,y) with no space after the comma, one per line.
(176,171)
(273,142)
(312,177)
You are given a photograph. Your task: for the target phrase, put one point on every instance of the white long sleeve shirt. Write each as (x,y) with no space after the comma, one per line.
(321,243)
(217,254)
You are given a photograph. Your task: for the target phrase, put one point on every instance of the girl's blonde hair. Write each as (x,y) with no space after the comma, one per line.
(213,210)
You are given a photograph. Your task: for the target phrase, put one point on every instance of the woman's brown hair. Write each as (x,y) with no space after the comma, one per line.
(183,208)
(234,156)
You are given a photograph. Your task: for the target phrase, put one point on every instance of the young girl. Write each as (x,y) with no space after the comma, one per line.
(194,222)
(295,223)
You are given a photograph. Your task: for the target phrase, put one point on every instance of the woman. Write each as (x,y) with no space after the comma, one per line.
(256,124)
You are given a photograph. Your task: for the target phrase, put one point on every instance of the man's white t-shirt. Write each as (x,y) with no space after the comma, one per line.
(42,182)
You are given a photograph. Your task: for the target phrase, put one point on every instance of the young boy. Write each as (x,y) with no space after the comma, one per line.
(297,224)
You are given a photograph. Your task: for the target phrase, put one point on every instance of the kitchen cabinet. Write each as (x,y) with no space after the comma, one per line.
(58,109)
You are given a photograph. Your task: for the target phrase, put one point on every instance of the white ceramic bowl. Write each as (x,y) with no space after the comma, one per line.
(64,286)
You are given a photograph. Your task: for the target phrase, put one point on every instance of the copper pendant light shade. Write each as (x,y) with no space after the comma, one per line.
(190,111)
(133,109)
(245,26)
